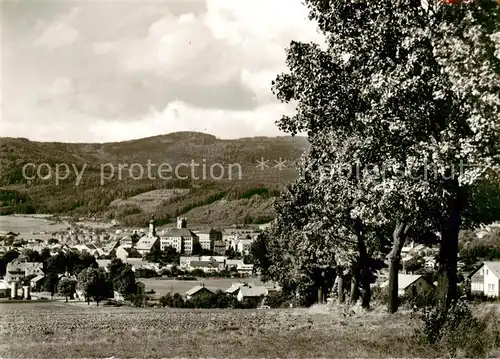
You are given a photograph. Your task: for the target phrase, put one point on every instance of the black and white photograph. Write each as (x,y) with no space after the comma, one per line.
(249,179)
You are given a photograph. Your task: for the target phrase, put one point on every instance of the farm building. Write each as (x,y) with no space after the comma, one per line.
(411,284)
(251,292)
(235,287)
(486,279)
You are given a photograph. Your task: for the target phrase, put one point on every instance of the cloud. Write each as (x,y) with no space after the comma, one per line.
(123,70)
(59,32)
(179,116)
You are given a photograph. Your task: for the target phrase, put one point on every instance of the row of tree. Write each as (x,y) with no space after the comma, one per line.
(218,299)
(98,284)
(401,109)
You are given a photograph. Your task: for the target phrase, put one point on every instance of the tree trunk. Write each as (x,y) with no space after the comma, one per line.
(448,251)
(363,269)
(399,237)
(320,295)
(340,286)
(354,286)
(366,290)
(66,299)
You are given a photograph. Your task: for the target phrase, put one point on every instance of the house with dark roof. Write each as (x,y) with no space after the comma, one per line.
(411,284)
(486,279)
(197,291)
(181,238)
(111,246)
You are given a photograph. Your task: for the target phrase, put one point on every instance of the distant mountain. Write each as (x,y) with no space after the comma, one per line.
(186,160)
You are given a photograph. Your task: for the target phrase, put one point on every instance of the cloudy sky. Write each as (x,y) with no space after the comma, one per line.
(109,71)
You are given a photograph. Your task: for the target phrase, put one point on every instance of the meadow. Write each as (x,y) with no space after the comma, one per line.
(164,286)
(56,330)
(27,224)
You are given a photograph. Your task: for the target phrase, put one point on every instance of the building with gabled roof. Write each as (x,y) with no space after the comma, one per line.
(251,292)
(412,284)
(486,279)
(197,291)
(146,244)
(234,289)
(111,246)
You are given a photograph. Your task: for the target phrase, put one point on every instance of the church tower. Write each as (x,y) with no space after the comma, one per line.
(181,222)
(152,229)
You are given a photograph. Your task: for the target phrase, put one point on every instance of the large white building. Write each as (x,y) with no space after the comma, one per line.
(205,241)
(181,238)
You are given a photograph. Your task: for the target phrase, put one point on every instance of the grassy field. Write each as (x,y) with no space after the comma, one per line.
(56,330)
(22,224)
(162,286)
(39,223)
(148,201)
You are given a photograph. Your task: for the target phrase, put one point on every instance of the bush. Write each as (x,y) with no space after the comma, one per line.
(214,300)
(137,300)
(457,329)
(482,298)
(420,300)
(166,273)
(203,301)
(197,273)
(380,295)
(278,300)
(172,301)
(145,273)
(248,303)
(226,301)
(112,303)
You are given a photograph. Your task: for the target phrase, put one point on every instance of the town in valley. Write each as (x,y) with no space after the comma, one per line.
(250,179)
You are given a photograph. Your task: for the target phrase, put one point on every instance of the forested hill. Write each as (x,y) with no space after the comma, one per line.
(137,190)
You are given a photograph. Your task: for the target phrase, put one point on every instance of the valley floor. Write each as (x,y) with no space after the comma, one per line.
(57,330)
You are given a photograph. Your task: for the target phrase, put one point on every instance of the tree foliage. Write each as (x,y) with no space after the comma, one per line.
(94,284)
(66,287)
(403,126)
